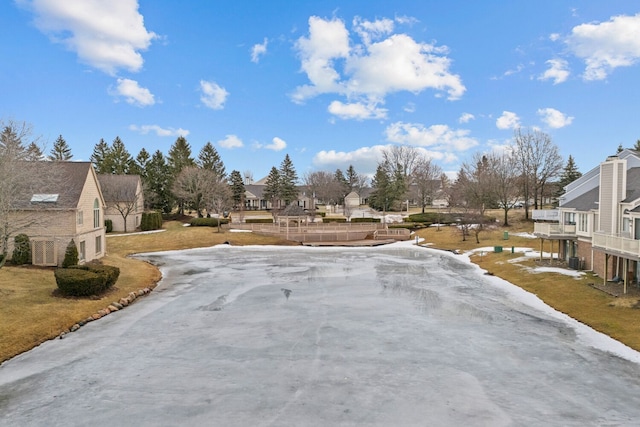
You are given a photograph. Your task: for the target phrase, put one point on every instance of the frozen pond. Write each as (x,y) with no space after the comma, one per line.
(392,335)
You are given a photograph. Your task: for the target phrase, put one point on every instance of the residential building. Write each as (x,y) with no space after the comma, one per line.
(124,200)
(597,222)
(64,203)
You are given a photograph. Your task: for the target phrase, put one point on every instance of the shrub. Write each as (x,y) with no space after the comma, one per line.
(259,221)
(207,222)
(85,280)
(70,255)
(328,220)
(151,221)
(108,225)
(21,250)
(365,219)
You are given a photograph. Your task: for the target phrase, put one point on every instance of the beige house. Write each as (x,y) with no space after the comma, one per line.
(64,203)
(124,200)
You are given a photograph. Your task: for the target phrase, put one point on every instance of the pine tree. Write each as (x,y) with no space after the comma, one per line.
(34,153)
(637,145)
(101,157)
(142,159)
(237,188)
(60,151)
(157,183)
(272,186)
(343,183)
(569,174)
(179,155)
(382,188)
(210,159)
(121,161)
(288,181)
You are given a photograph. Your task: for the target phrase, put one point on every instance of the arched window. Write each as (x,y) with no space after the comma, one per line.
(96,214)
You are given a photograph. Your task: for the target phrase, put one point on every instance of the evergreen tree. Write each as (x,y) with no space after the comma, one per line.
(637,145)
(60,151)
(272,187)
(142,159)
(157,183)
(34,153)
(343,184)
(101,157)
(569,174)
(237,188)
(208,158)
(381,183)
(120,159)
(288,181)
(620,148)
(179,156)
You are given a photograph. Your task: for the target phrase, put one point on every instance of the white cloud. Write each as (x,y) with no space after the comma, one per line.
(159,131)
(554,118)
(606,46)
(372,30)
(133,93)
(436,137)
(277,144)
(508,120)
(466,118)
(213,95)
(259,50)
(107,35)
(367,72)
(357,111)
(558,71)
(230,142)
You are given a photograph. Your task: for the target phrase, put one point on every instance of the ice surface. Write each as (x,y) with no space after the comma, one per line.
(390,335)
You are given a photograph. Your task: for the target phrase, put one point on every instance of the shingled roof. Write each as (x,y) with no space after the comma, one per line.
(121,187)
(57,185)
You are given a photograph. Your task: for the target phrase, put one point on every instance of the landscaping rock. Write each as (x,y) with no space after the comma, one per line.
(75,327)
(113,308)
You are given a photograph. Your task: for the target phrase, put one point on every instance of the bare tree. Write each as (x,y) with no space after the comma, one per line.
(18,178)
(425,181)
(191,186)
(504,180)
(324,186)
(219,197)
(538,161)
(121,193)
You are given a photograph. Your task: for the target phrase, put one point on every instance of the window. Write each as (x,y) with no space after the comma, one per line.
(96,214)
(583,223)
(80,217)
(98,245)
(569,218)
(82,251)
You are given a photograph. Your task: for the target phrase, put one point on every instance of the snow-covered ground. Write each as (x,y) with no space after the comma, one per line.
(389,335)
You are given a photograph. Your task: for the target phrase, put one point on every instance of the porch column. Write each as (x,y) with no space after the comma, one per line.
(626,274)
(541,247)
(606,269)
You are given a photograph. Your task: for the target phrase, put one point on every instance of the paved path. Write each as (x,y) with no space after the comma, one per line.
(384,336)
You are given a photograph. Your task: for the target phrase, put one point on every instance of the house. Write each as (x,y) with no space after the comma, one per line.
(124,200)
(597,222)
(63,203)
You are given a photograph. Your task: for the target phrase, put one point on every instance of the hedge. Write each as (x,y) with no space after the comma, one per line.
(329,220)
(151,221)
(365,219)
(259,221)
(207,222)
(86,280)
(70,255)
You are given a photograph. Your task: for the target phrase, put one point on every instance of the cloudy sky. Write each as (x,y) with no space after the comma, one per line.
(331,83)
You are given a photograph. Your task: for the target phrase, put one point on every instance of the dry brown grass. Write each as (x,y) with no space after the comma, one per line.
(30,313)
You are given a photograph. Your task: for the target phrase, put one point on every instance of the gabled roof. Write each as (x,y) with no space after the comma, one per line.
(119,188)
(585,202)
(66,179)
(633,185)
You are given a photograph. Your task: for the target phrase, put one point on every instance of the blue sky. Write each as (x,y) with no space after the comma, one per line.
(329,83)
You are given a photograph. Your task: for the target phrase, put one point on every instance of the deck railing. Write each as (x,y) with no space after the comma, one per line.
(619,244)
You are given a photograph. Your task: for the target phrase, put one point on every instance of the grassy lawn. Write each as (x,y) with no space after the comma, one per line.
(30,313)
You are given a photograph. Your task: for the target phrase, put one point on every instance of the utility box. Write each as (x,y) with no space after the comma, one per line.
(497,249)
(505,236)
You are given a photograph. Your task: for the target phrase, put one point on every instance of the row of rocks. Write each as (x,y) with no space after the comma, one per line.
(114,306)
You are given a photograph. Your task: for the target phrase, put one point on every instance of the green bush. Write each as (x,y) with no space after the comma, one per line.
(70,255)
(329,220)
(85,280)
(259,221)
(79,283)
(108,225)
(365,219)
(151,221)
(21,250)
(207,222)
